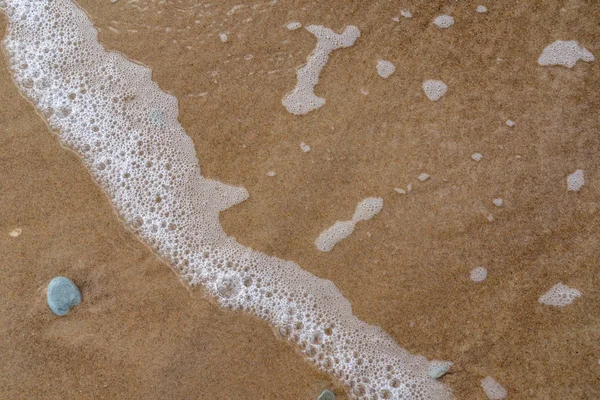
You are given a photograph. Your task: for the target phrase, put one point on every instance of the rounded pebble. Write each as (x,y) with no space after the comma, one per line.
(62,295)
(326,395)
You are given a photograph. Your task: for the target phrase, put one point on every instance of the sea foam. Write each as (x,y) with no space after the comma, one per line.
(124,128)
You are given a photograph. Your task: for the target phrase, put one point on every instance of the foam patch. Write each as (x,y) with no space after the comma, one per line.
(565,53)
(302,99)
(125,130)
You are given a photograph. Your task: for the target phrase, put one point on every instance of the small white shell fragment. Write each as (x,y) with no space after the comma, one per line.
(396,19)
(481,9)
(498,202)
(271,173)
(305,148)
(409,187)
(444,21)
(476,156)
(478,274)
(15,232)
(400,190)
(493,390)
(423,177)
(385,68)
(406,13)
(575,181)
(223,37)
(292,26)
(510,122)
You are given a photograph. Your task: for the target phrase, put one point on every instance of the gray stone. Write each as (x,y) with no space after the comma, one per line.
(62,295)
(326,395)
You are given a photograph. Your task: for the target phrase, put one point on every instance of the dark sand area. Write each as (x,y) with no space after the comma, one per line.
(140,333)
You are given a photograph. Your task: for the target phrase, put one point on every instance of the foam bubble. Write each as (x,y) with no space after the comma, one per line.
(510,123)
(443,21)
(479,274)
(125,130)
(493,390)
(565,53)
(476,156)
(406,13)
(385,68)
(223,37)
(498,202)
(271,173)
(559,295)
(434,89)
(365,210)
(302,99)
(481,9)
(575,181)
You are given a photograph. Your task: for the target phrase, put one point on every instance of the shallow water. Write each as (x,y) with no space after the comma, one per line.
(406,270)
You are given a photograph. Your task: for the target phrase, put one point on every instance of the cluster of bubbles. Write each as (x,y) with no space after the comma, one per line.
(108,110)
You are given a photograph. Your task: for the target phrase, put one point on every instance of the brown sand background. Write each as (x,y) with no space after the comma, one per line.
(139,333)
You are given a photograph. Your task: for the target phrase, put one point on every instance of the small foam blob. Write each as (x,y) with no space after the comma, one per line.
(510,123)
(365,210)
(498,202)
(443,21)
(406,13)
(575,181)
(292,26)
(478,274)
(493,390)
(476,156)
(302,99)
(223,37)
(423,177)
(271,173)
(434,89)
(481,9)
(565,53)
(305,148)
(326,395)
(559,295)
(400,190)
(62,295)
(385,69)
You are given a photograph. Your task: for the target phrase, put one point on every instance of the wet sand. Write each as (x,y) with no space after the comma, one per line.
(139,333)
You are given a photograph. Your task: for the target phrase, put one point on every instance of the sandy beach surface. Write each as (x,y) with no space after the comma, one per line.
(140,333)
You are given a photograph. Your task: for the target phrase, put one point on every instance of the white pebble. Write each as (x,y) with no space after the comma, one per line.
(498,202)
(423,177)
(444,21)
(223,37)
(477,156)
(293,25)
(479,274)
(575,181)
(385,68)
